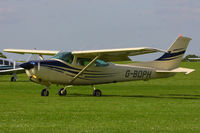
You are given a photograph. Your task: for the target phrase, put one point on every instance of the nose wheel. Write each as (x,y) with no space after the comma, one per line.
(45,92)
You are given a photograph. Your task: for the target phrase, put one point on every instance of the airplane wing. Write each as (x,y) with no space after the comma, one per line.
(177,70)
(29,51)
(10,71)
(116,54)
(107,54)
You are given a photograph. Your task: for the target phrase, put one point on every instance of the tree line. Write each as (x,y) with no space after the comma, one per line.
(2,56)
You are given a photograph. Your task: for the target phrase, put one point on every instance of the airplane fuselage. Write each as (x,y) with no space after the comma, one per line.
(56,71)
(6,64)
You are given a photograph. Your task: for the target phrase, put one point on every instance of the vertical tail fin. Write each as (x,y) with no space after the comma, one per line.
(172,58)
(176,50)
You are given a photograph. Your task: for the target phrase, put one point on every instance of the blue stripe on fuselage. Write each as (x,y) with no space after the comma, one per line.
(63,67)
(55,67)
(56,63)
(86,77)
(86,73)
(59,64)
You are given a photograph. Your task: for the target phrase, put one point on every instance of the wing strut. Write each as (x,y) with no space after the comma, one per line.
(41,57)
(83,70)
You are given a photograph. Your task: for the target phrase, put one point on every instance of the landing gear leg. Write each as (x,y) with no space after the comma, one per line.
(96,92)
(63,91)
(45,92)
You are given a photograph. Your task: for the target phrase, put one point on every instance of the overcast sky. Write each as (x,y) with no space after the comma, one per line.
(98,24)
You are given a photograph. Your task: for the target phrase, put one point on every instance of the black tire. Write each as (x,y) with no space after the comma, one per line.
(97,93)
(61,92)
(13,79)
(44,92)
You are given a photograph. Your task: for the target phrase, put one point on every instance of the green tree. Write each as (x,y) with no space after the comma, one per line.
(2,56)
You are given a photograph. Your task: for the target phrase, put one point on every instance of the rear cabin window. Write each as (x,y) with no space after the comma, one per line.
(1,62)
(6,62)
(86,61)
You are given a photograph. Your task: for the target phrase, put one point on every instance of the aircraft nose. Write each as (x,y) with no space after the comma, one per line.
(28,65)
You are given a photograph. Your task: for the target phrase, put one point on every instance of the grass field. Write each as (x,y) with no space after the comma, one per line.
(162,105)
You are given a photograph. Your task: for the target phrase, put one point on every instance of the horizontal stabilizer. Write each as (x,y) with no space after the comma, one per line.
(177,70)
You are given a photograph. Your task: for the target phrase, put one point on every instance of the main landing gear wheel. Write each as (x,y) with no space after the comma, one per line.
(13,79)
(62,92)
(97,93)
(45,92)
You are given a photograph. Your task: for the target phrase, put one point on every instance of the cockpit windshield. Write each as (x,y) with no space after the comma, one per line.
(64,56)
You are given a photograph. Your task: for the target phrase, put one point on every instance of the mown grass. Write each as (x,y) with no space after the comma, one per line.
(162,105)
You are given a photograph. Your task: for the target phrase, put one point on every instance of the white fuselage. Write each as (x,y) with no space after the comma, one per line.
(62,73)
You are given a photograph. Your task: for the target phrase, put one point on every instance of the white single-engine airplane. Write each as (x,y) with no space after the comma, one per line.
(94,67)
(9,67)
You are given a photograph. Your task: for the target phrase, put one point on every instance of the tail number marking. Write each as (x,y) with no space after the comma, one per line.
(138,74)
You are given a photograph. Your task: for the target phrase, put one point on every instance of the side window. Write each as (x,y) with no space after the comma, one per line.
(11,63)
(83,61)
(67,58)
(86,61)
(1,62)
(101,63)
(6,62)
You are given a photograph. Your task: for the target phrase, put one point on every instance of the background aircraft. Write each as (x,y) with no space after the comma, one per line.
(8,67)
(95,67)
(194,59)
